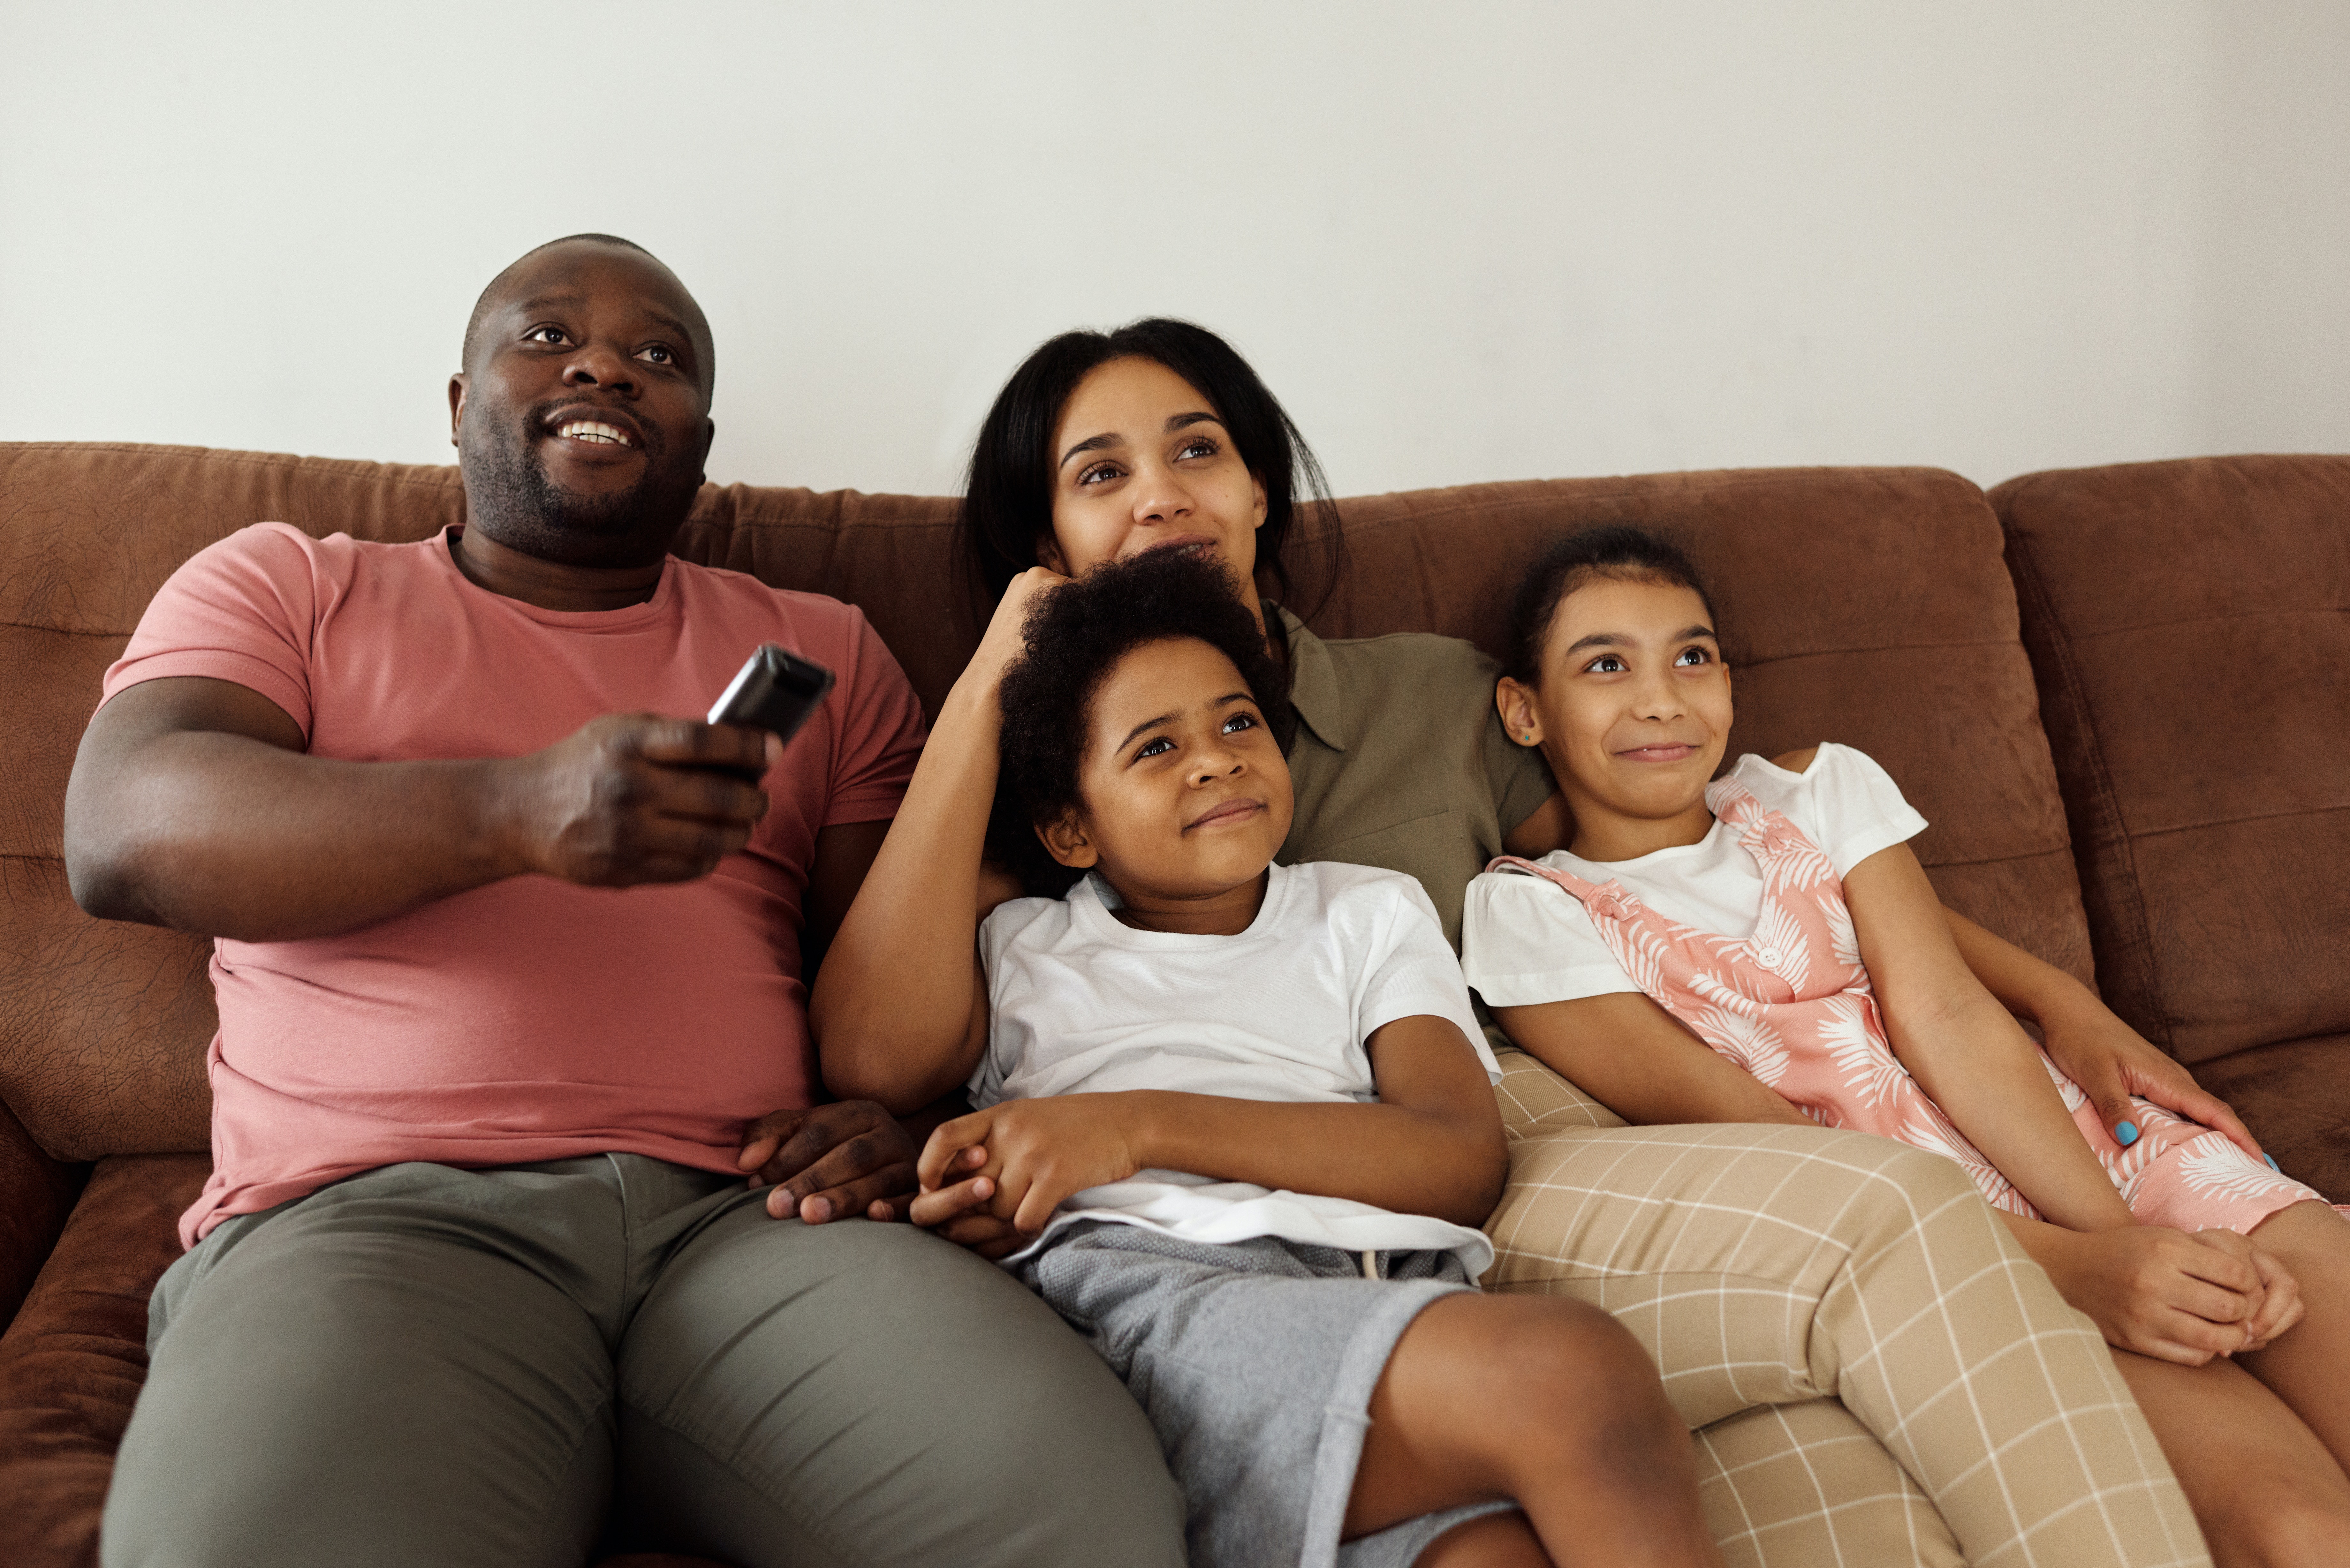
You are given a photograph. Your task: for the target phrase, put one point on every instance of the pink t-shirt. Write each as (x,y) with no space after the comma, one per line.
(528,1018)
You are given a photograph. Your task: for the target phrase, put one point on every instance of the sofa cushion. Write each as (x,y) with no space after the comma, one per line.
(2190,623)
(37,1193)
(2296,1097)
(1863,606)
(1866,605)
(71,1363)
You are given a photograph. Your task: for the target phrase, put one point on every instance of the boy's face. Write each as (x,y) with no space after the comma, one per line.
(1186,795)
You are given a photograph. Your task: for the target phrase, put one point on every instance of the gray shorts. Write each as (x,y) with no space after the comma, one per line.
(1255,1361)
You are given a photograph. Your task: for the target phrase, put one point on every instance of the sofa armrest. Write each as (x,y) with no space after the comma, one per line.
(37,1193)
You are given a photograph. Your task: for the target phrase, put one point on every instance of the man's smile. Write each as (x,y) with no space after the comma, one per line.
(605,428)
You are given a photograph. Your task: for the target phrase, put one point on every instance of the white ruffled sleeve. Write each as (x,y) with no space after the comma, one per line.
(1852,808)
(1525,941)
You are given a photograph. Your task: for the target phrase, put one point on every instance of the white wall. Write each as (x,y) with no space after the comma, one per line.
(1462,241)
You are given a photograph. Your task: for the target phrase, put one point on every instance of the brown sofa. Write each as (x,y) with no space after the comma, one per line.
(2145,775)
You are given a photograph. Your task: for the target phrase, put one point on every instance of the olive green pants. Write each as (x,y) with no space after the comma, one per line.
(531,1364)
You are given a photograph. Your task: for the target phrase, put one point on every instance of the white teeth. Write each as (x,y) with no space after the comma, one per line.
(591,430)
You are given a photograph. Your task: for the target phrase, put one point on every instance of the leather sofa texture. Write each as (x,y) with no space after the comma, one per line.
(2120,696)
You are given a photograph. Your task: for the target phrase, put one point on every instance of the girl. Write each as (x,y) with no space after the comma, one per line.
(1778,917)
(1239,1117)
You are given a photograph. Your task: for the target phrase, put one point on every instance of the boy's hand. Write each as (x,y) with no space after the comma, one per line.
(2164,1293)
(959,1211)
(1036,1154)
(830,1162)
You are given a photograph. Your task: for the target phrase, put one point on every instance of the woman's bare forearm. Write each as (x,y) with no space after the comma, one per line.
(2027,986)
(893,1005)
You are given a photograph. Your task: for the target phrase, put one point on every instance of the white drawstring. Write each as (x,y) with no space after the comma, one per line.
(1370,1265)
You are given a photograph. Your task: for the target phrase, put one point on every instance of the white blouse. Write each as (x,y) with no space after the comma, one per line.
(1525,941)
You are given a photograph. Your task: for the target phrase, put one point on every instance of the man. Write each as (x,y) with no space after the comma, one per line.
(509,975)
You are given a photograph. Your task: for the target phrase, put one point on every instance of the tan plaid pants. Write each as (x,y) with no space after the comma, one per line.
(1875,1371)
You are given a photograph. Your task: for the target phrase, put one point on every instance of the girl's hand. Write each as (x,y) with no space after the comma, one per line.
(2162,1292)
(1005,638)
(1038,1152)
(2111,1063)
(2281,1306)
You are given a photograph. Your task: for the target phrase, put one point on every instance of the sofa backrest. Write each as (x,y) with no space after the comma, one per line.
(2190,623)
(1866,605)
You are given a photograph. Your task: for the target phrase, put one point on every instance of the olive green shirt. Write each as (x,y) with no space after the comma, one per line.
(1400,760)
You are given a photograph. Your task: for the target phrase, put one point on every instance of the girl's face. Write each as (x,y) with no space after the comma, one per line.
(1633,712)
(1186,793)
(1142,462)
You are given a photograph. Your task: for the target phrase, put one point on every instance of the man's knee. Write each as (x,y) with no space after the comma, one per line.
(882,1387)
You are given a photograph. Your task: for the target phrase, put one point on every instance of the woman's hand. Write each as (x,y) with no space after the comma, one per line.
(2164,1293)
(1005,638)
(2112,1062)
(1038,1152)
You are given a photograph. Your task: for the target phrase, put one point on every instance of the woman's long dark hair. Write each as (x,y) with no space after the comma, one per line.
(1007,507)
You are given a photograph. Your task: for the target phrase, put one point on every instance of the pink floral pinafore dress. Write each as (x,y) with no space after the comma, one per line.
(1792,1004)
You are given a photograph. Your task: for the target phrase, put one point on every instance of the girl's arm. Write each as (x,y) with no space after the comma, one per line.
(2097,1051)
(1641,1062)
(1966,1051)
(1431,1144)
(899,1011)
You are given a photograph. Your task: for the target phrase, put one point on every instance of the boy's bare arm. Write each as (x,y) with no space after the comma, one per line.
(1641,1062)
(1432,1144)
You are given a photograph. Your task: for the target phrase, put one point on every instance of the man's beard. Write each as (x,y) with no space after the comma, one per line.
(512,499)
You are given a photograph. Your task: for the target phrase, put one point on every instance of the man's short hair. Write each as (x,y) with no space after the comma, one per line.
(490,290)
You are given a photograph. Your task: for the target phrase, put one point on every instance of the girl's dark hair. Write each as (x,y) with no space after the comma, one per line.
(1614,550)
(1007,505)
(1075,636)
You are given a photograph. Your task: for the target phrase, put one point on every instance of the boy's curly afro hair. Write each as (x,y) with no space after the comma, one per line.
(1076,636)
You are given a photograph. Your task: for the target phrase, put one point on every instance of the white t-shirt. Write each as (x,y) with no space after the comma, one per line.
(1524,940)
(1082,1003)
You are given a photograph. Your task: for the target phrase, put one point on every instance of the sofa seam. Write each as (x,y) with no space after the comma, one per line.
(2234,821)
(58,630)
(2264,615)
(2024,570)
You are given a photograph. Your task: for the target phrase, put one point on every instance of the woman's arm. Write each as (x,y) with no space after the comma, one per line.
(1432,1143)
(899,1011)
(2097,1051)
(1965,1049)
(1641,1062)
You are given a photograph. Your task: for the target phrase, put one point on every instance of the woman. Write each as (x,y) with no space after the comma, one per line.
(1103,446)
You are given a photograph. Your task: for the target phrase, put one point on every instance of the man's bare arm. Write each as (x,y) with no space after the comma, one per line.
(192,805)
